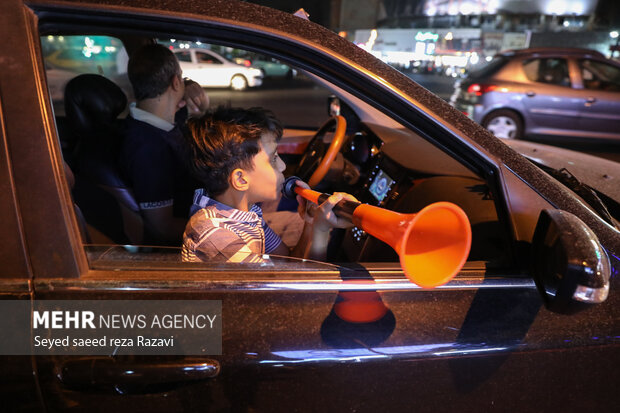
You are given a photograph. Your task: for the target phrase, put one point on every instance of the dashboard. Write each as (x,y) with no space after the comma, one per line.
(399,171)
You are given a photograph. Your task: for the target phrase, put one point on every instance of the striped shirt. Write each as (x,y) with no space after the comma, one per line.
(217,232)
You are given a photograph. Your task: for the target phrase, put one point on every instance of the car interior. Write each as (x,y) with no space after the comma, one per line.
(548,70)
(599,76)
(382,163)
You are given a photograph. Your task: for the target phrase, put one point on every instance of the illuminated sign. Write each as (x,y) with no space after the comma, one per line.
(549,7)
(422,37)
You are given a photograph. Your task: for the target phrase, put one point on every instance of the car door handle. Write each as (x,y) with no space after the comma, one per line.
(591,100)
(530,93)
(136,376)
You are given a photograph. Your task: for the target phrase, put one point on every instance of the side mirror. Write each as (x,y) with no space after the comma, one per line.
(570,267)
(333,106)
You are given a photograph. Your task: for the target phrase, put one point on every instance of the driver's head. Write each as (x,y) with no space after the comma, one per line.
(151,70)
(236,149)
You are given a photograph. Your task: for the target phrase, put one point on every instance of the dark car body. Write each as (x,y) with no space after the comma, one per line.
(544,92)
(484,341)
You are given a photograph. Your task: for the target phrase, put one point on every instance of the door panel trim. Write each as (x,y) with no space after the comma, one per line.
(282,283)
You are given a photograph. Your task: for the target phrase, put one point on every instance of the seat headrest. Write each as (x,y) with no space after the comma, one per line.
(91,101)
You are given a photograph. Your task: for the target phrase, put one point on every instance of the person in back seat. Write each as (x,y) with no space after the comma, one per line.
(153,156)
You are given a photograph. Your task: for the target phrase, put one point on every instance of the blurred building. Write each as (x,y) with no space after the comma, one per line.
(450,35)
(505,15)
(454,34)
(498,14)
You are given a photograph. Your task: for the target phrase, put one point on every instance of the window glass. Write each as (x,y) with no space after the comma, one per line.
(531,69)
(207,58)
(490,68)
(547,70)
(267,83)
(385,164)
(600,76)
(183,56)
(68,56)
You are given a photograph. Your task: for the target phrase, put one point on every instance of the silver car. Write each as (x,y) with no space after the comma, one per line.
(544,92)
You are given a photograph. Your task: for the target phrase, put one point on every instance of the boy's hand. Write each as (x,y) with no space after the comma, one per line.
(323,216)
(302,204)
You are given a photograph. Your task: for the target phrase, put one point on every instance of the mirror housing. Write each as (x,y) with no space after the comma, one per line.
(569,265)
(333,106)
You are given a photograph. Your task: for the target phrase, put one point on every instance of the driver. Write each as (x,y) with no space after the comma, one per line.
(153,154)
(235,158)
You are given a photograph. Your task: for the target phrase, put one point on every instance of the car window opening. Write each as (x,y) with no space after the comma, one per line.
(393,168)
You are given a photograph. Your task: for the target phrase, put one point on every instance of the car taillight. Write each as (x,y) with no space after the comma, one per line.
(480,89)
(247,63)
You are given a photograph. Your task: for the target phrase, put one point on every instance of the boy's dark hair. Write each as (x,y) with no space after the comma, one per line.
(226,139)
(151,70)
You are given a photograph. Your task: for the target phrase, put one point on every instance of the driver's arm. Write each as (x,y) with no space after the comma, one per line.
(281,249)
(311,245)
(163,225)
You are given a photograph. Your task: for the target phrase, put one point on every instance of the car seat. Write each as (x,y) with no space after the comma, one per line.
(92,105)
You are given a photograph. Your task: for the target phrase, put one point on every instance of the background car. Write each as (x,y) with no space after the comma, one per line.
(544,92)
(274,68)
(534,311)
(270,67)
(77,60)
(212,70)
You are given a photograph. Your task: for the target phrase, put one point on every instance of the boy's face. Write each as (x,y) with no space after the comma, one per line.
(266,178)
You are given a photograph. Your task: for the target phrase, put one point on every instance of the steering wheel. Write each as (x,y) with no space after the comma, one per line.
(317,160)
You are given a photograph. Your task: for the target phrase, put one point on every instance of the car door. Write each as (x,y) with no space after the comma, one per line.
(213,69)
(17,372)
(482,341)
(203,67)
(551,104)
(190,69)
(599,114)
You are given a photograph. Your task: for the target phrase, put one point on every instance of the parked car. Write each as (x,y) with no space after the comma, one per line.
(544,92)
(212,70)
(531,322)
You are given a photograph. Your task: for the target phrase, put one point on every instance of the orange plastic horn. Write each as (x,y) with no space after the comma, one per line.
(432,244)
